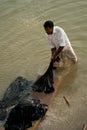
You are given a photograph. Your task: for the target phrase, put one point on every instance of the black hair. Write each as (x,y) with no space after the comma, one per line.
(49,24)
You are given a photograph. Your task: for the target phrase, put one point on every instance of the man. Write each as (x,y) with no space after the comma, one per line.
(60,45)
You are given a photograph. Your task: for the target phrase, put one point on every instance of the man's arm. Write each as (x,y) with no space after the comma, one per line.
(57,52)
(53,50)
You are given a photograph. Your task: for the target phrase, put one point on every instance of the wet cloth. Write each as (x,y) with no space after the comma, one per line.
(27,110)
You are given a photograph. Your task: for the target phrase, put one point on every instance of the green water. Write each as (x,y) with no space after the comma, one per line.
(24,51)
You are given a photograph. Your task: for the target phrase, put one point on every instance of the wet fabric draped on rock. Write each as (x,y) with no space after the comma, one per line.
(22,115)
(45,82)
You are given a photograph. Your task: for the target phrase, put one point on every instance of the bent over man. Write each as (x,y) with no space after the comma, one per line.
(61,48)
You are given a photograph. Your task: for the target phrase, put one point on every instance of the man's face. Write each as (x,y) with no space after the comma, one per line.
(49,30)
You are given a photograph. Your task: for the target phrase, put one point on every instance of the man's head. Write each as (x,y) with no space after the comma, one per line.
(48,26)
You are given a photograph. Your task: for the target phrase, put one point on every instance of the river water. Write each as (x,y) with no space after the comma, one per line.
(24,51)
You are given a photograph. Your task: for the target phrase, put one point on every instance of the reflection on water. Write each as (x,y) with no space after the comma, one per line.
(24,51)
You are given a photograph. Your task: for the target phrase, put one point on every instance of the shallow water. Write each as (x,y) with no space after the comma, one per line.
(24,52)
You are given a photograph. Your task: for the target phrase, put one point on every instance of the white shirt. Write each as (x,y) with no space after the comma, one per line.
(58,38)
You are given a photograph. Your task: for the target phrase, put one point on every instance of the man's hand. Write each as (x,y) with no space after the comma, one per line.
(56,53)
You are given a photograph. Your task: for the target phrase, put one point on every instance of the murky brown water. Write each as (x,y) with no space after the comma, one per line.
(24,51)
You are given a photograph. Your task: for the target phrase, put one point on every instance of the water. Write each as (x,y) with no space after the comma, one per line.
(24,52)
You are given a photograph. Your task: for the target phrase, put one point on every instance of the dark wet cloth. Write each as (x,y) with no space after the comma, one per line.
(22,115)
(45,82)
(16,91)
(18,108)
